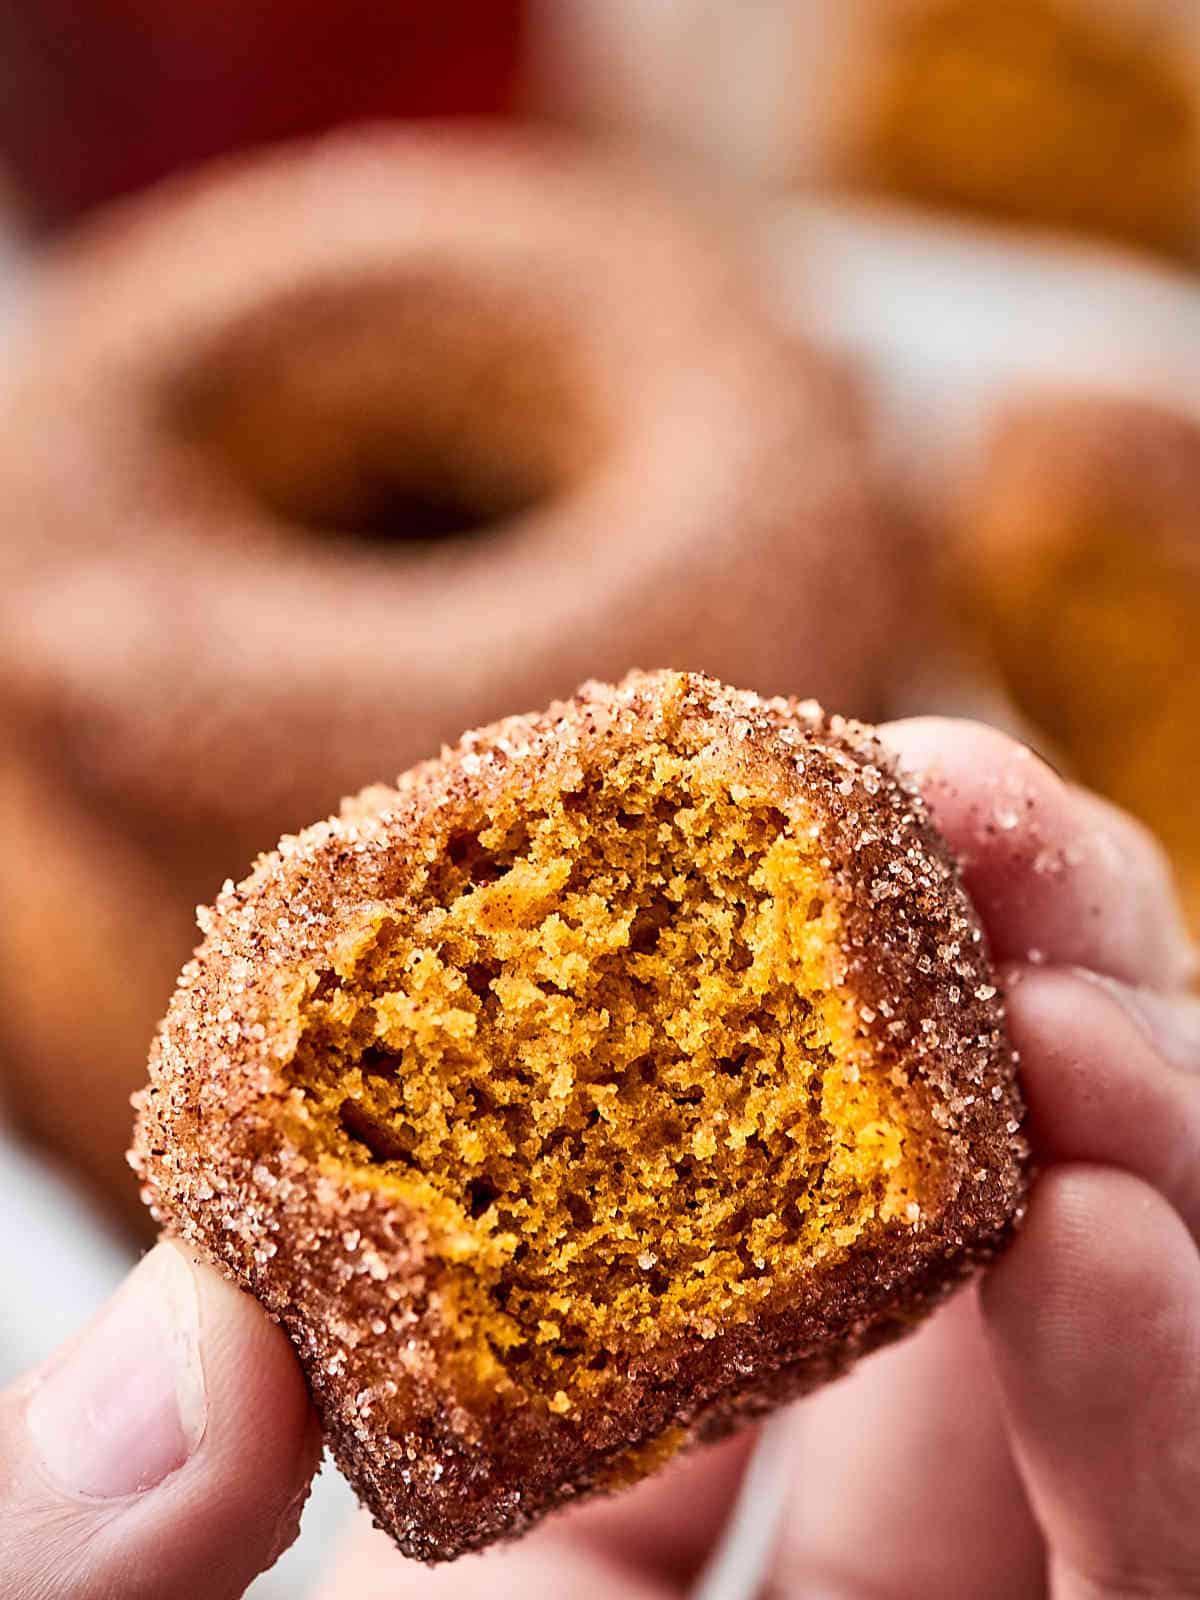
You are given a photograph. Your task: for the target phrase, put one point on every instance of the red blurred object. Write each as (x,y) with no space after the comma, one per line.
(98,97)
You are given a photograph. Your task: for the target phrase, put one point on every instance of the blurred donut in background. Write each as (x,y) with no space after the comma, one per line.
(1081,115)
(1080,544)
(319,459)
(1076,115)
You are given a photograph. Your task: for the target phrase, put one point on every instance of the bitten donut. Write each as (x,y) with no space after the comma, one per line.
(311,462)
(1080,546)
(619,1074)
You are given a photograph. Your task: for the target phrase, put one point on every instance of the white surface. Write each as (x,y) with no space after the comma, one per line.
(57,1264)
(945,319)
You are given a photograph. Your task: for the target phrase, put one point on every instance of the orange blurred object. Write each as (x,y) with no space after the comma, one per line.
(100,97)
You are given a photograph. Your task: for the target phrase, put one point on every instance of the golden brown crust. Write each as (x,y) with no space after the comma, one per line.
(345,1270)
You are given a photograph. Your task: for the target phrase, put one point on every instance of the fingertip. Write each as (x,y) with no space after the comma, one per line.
(1099,1084)
(248,1350)
(166,1449)
(989,794)
(1098,1249)
(1057,874)
(1134,874)
(938,746)
(236,1506)
(261,1427)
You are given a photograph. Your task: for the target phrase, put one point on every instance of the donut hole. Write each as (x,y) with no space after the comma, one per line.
(377,511)
(389,413)
(622,1133)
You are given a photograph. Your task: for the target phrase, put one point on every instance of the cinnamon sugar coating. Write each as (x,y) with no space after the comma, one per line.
(625,1071)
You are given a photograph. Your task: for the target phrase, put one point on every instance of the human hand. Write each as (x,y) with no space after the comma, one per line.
(1039,1435)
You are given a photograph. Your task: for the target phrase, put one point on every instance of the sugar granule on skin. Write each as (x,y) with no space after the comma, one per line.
(581,1095)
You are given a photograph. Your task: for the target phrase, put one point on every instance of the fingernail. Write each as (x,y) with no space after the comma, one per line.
(1170,1022)
(126,1406)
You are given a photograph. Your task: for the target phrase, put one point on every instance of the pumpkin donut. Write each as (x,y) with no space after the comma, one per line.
(622,1073)
(1080,115)
(314,460)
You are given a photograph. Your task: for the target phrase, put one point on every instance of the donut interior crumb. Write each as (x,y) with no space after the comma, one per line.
(601,1052)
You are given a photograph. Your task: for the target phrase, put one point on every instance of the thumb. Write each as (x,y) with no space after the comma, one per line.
(166,1450)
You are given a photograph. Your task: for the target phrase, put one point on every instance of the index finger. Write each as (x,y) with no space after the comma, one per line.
(1058,875)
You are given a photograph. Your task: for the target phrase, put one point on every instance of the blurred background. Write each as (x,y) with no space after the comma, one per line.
(369,371)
